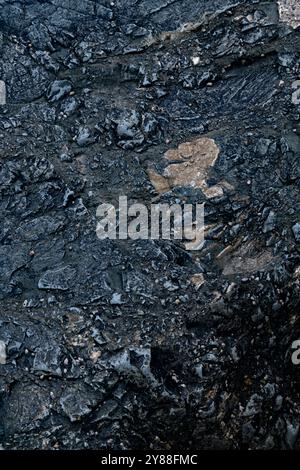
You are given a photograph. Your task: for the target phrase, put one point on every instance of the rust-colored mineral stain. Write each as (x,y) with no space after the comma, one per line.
(189,166)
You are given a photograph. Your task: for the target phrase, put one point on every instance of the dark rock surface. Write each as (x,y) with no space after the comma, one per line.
(111,344)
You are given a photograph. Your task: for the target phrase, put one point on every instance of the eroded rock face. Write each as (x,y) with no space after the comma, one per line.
(165,101)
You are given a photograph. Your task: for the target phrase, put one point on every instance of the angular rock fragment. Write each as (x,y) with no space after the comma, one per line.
(296,231)
(134,361)
(58,90)
(76,403)
(57,279)
(270,222)
(84,137)
(38,228)
(292,431)
(47,360)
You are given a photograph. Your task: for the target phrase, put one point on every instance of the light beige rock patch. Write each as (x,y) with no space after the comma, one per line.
(160,183)
(189,167)
(2,93)
(289,12)
(197,280)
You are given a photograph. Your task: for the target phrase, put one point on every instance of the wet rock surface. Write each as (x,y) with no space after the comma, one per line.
(142,344)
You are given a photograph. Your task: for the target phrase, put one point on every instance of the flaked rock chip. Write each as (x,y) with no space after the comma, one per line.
(296,231)
(58,90)
(84,137)
(77,402)
(38,228)
(134,362)
(57,279)
(47,359)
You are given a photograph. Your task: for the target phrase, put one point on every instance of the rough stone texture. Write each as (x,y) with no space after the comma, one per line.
(2,353)
(2,93)
(141,344)
(289,11)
